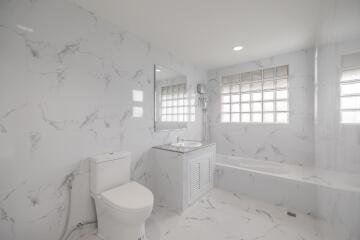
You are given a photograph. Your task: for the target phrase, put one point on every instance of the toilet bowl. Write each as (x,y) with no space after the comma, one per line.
(121,206)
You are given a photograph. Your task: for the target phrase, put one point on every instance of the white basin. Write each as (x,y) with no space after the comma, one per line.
(187,144)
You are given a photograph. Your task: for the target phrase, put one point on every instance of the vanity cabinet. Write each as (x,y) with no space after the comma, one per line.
(200,169)
(181,176)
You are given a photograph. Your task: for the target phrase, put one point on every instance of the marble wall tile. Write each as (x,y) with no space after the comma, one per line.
(66,79)
(337,145)
(292,143)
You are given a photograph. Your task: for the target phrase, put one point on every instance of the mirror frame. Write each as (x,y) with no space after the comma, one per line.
(156,128)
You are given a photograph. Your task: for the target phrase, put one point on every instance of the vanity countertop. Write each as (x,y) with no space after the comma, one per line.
(169,147)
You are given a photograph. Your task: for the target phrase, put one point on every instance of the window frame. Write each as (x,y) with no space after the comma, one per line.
(341,83)
(262,80)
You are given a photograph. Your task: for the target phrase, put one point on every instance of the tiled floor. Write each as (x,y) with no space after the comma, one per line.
(224,215)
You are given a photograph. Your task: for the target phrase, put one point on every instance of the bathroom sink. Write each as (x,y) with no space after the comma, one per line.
(187,144)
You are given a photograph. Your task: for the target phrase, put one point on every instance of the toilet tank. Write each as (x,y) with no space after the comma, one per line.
(109,170)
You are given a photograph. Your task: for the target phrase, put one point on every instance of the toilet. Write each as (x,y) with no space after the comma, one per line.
(122,206)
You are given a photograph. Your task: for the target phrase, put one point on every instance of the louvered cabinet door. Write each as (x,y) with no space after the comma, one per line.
(200,176)
(205,174)
(195,185)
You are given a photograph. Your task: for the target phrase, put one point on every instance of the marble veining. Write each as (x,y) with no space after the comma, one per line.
(224,215)
(292,143)
(66,83)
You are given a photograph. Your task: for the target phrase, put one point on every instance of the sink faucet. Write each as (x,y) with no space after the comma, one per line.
(179,139)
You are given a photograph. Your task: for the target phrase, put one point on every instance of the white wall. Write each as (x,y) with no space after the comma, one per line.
(65,94)
(291,143)
(337,145)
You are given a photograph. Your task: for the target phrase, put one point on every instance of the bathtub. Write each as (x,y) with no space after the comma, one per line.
(254,165)
(293,187)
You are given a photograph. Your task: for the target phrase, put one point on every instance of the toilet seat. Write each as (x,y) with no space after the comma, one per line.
(129,197)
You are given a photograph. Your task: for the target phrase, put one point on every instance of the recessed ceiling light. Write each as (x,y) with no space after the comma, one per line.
(158,70)
(238,48)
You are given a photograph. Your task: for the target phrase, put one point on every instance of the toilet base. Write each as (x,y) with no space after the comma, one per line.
(112,226)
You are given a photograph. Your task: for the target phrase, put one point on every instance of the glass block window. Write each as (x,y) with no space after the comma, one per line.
(350,96)
(176,105)
(259,96)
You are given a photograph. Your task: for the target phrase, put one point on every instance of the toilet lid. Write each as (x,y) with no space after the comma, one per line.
(131,196)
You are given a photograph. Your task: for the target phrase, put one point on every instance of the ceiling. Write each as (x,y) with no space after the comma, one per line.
(204,32)
(163,73)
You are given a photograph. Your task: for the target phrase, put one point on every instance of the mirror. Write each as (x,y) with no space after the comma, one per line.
(174,104)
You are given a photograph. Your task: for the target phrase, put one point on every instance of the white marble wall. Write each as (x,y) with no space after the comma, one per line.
(292,143)
(66,81)
(337,145)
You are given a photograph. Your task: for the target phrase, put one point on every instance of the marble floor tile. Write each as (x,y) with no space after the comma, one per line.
(224,215)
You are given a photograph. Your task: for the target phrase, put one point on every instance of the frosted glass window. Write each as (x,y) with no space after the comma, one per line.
(245,117)
(235,107)
(226,98)
(269,117)
(282,83)
(225,117)
(245,87)
(268,106)
(350,102)
(256,96)
(245,97)
(283,94)
(176,104)
(256,86)
(226,89)
(350,75)
(225,108)
(235,88)
(281,106)
(268,85)
(350,117)
(256,107)
(268,95)
(235,98)
(256,117)
(259,96)
(245,107)
(235,117)
(350,96)
(350,88)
